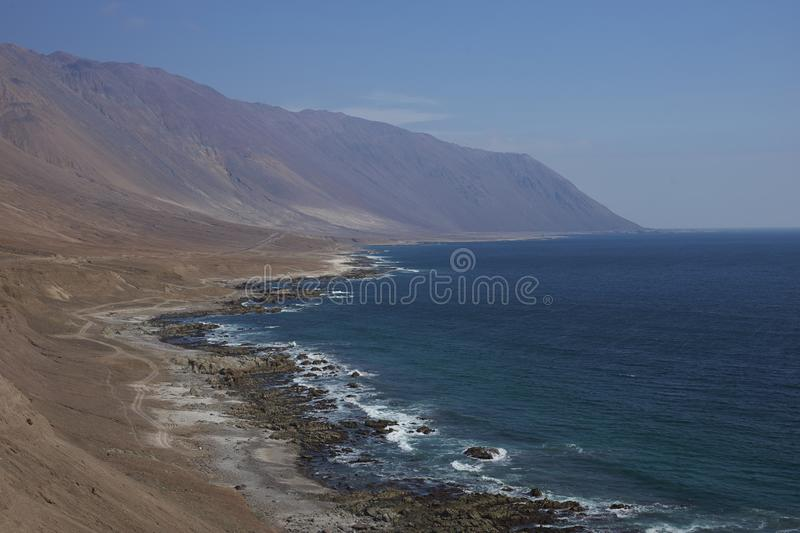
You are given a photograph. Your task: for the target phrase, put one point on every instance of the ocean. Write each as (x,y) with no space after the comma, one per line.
(660,371)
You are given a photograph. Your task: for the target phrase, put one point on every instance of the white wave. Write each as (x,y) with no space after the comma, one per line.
(274,345)
(380,259)
(361,373)
(221,328)
(693,528)
(464,467)
(494,480)
(601,507)
(501,455)
(338,295)
(573,446)
(632,509)
(403,432)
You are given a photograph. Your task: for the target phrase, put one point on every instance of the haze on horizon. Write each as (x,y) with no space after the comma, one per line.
(674,115)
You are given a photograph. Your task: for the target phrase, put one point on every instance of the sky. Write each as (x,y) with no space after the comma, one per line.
(675,114)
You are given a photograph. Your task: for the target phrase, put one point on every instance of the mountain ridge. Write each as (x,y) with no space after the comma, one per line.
(151,138)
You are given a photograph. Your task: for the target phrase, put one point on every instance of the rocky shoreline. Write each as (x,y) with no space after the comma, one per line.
(262,379)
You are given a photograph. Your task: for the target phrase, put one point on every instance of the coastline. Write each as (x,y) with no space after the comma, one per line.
(190,415)
(224,398)
(107,406)
(110,410)
(81,440)
(237,455)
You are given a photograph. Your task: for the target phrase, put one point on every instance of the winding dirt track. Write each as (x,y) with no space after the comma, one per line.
(162,438)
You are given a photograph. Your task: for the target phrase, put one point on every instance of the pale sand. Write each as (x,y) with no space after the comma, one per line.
(194,415)
(93,435)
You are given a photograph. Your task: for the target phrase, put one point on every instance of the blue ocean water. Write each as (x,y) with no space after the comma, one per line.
(658,370)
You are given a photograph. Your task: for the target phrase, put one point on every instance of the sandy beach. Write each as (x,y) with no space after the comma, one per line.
(96,427)
(190,416)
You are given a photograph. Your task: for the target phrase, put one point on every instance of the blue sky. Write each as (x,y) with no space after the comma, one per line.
(674,114)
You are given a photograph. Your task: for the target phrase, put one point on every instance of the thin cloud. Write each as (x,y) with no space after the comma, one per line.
(110,8)
(115,10)
(391,107)
(135,23)
(525,144)
(392,98)
(295,108)
(192,25)
(394,115)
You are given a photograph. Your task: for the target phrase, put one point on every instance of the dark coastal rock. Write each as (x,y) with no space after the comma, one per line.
(192,329)
(615,506)
(362,459)
(379,423)
(287,434)
(328,404)
(353,385)
(302,357)
(451,510)
(536,492)
(329,367)
(265,294)
(566,505)
(350,424)
(355,374)
(482,452)
(425,430)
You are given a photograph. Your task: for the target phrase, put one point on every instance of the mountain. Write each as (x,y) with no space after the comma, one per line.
(141,149)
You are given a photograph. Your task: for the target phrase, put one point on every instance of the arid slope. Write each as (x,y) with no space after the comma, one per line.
(142,136)
(79,448)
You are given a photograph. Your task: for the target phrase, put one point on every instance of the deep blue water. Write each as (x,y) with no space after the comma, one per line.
(664,373)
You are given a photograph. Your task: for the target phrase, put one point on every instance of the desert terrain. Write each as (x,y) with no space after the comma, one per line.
(83,444)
